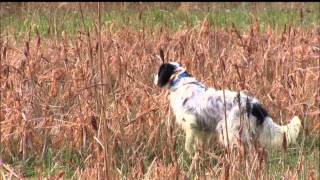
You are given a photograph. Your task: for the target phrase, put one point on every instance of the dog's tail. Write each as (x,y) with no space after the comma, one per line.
(273,135)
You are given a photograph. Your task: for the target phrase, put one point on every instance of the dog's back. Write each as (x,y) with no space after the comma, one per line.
(207,105)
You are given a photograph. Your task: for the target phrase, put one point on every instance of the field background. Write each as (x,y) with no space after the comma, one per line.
(78,100)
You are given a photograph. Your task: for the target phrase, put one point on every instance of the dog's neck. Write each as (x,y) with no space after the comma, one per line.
(178,78)
(182,79)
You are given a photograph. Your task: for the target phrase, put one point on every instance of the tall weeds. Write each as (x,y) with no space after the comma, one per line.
(94,95)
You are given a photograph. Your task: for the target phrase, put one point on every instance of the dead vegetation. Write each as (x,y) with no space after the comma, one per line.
(66,94)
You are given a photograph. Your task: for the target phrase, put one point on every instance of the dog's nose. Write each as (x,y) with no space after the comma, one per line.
(155,81)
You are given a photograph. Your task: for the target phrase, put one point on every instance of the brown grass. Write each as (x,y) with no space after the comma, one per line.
(11,6)
(57,94)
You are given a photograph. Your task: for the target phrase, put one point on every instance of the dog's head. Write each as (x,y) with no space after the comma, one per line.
(167,73)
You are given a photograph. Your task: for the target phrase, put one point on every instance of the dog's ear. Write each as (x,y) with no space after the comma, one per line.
(165,73)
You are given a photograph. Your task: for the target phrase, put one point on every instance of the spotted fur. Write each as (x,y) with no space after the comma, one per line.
(200,111)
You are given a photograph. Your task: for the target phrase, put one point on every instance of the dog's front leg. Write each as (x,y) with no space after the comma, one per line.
(189,124)
(190,138)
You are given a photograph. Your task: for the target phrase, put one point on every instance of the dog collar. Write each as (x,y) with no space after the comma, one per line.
(177,79)
(175,84)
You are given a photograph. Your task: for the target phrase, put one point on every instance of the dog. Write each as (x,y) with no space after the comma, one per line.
(203,111)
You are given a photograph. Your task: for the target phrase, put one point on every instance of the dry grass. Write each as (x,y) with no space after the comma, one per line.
(61,96)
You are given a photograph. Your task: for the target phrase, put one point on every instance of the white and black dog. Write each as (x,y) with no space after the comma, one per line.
(203,111)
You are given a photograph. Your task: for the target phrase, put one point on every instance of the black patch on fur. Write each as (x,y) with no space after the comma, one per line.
(164,74)
(259,112)
(185,101)
(248,106)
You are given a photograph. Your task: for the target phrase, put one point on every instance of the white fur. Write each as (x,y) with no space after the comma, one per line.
(277,132)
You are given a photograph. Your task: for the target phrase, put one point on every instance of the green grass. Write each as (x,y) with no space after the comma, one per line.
(54,22)
(280,161)
(68,160)
(52,163)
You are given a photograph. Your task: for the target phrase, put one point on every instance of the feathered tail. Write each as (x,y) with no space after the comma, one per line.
(272,134)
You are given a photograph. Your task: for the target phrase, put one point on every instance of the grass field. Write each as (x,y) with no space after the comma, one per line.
(78,100)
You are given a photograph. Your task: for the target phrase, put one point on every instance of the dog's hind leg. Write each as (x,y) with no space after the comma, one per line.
(229,136)
(203,139)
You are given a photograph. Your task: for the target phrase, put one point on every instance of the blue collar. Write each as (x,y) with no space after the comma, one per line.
(175,83)
(182,75)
